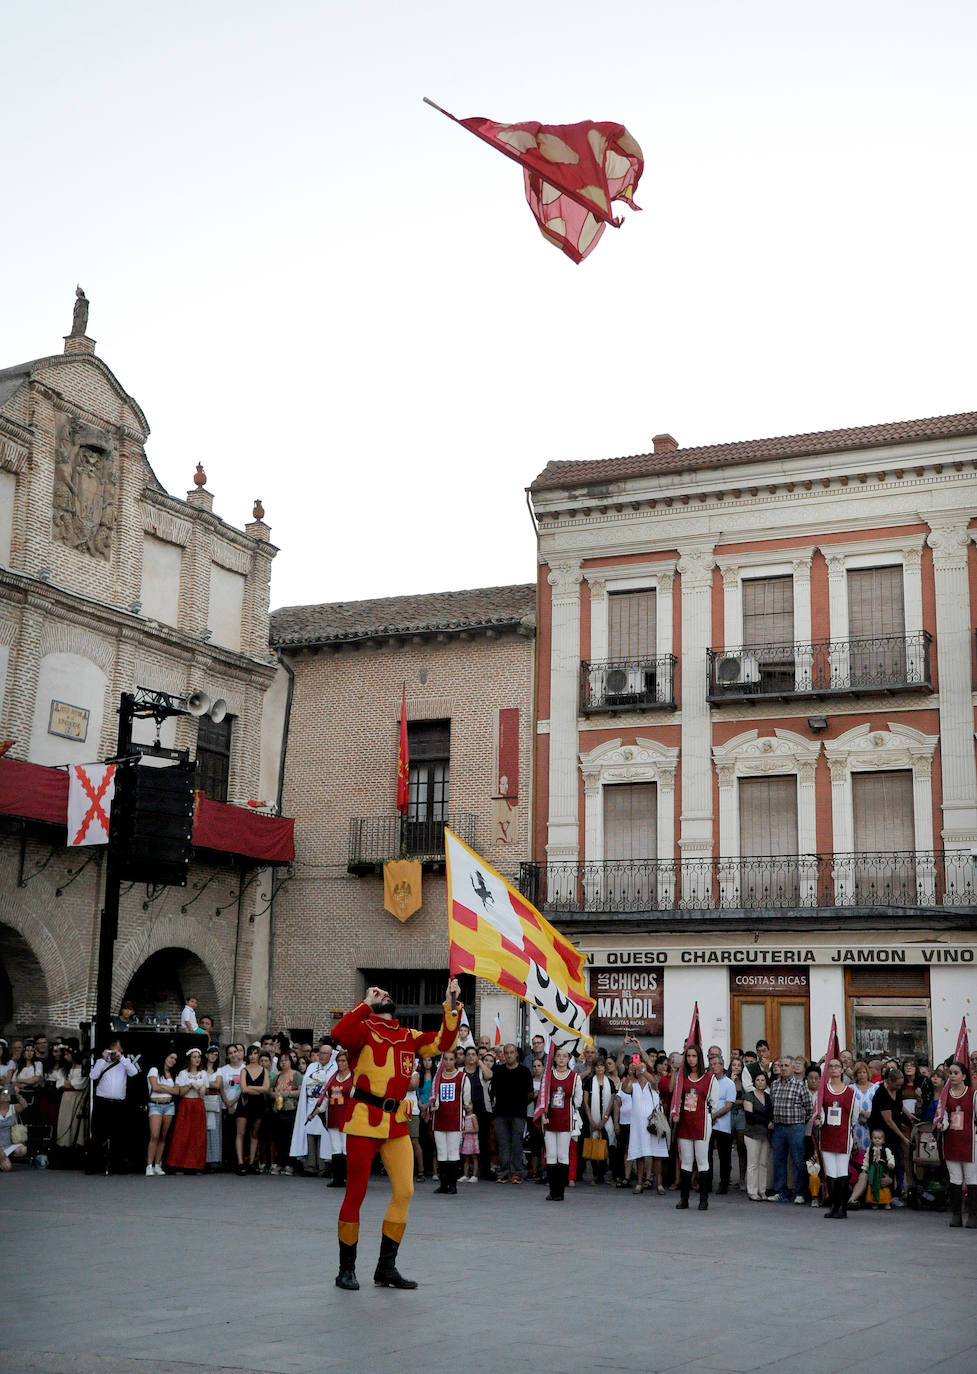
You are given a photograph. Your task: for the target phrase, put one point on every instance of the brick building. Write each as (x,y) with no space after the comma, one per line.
(465,661)
(108,583)
(755,774)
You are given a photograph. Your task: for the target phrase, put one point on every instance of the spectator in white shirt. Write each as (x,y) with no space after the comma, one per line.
(110,1074)
(188,1016)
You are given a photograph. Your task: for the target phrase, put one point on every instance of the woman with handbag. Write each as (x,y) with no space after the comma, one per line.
(648,1143)
(598,1106)
(13,1136)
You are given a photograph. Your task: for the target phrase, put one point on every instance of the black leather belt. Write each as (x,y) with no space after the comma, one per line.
(386,1104)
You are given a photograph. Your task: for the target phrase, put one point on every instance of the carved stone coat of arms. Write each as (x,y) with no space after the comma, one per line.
(85,487)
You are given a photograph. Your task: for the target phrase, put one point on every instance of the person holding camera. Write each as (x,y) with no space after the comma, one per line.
(648,1139)
(110,1074)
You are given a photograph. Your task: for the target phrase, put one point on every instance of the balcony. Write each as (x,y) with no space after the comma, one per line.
(759,672)
(375,839)
(628,684)
(792,882)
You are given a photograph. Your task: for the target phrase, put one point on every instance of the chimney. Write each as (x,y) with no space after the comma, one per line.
(664,443)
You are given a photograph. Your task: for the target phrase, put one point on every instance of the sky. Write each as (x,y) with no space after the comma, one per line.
(338,301)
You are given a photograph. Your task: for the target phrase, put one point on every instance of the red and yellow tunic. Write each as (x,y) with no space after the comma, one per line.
(381,1056)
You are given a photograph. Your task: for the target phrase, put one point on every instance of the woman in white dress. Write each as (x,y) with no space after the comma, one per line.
(212,1105)
(645,1147)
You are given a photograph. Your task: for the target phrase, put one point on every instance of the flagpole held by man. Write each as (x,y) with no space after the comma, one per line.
(381,1056)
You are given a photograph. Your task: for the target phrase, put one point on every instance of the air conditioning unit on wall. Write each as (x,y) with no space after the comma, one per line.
(625,682)
(737,670)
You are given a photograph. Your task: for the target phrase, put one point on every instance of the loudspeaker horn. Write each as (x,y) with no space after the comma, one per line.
(198,703)
(218,710)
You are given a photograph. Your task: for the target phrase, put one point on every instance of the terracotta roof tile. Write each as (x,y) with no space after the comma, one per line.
(339,621)
(575,473)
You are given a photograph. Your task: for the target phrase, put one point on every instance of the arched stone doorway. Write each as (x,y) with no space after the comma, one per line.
(161,985)
(24,994)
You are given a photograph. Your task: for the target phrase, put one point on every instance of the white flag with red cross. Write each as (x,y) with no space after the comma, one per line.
(91,787)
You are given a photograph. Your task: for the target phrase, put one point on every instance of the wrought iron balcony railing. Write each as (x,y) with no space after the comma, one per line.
(776,883)
(628,684)
(888,663)
(374,839)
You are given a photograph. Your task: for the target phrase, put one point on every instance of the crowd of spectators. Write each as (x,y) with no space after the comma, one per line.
(274,1107)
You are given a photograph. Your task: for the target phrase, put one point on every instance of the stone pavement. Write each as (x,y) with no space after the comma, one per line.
(170,1275)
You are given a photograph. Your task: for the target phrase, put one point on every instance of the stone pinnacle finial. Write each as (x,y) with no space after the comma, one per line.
(200,477)
(259,511)
(79,318)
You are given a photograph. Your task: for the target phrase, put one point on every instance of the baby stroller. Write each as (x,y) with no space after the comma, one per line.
(925,1175)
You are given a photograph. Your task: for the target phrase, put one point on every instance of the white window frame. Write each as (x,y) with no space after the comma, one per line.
(635,577)
(864,750)
(741,567)
(751,755)
(903,552)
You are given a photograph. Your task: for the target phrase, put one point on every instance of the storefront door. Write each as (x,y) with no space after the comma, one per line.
(772,1007)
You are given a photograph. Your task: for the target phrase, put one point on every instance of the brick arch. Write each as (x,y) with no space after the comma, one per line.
(43,946)
(177,932)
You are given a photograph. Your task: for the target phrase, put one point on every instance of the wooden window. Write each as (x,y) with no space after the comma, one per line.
(876,626)
(630,846)
(631,625)
(768,629)
(885,838)
(429,747)
(768,841)
(214,757)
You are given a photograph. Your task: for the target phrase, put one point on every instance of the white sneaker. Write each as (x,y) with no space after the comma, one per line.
(159,1171)
(473,1178)
(150,1171)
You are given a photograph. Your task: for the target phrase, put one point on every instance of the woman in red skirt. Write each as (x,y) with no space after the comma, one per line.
(188,1142)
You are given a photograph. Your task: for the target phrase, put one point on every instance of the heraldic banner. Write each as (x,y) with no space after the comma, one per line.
(496,934)
(91,787)
(402,887)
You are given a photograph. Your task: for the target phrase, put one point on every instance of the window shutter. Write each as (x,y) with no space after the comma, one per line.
(631,624)
(885,837)
(768,834)
(768,611)
(876,616)
(631,821)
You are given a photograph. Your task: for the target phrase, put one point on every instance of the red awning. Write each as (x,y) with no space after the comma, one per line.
(37,793)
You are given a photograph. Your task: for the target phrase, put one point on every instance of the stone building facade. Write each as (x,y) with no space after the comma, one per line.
(464,662)
(755,770)
(109,583)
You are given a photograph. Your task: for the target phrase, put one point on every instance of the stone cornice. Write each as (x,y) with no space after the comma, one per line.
(182,510)
(13,457)
(60,604)
(68,407)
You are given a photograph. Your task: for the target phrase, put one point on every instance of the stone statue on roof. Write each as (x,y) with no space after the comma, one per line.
(79,319)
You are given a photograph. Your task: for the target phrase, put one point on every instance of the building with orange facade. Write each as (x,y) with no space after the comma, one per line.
(755,780)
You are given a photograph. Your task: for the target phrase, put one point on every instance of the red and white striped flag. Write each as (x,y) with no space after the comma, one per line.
(832,1052)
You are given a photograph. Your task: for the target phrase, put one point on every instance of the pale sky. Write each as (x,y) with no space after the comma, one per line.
(338,301)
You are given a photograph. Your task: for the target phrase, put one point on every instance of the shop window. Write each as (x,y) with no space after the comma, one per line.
(214,757)
(889,1012)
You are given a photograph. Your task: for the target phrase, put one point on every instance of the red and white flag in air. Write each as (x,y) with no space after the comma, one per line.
(961,1055)
(498,1029)
(91,787)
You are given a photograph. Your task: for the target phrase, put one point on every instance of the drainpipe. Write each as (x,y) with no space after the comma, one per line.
(281,789)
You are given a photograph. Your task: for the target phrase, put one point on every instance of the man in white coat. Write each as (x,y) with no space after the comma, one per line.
(310,1139)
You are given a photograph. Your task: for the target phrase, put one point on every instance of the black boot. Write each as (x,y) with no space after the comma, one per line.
(338,1179)
(685,1187)
(454,1173)
(444,1177)
(841,1198)
(972,1206)
(557,1175)
(346,1278)
(831,1194)
(705,1188)
(956,1204)
(385,1275)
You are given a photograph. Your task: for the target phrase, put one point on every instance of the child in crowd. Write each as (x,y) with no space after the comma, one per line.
(878,1170)
(469,1148)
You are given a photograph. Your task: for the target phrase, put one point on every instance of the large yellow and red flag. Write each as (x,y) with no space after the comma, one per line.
(496,934)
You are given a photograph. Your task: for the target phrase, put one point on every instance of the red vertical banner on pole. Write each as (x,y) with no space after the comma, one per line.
(403,760)
(508,779)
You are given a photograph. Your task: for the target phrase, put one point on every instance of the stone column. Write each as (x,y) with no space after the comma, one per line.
(950,540)
(563,839)
(695,566)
